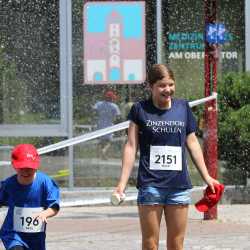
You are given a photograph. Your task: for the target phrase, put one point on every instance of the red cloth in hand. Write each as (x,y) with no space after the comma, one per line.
(210,199)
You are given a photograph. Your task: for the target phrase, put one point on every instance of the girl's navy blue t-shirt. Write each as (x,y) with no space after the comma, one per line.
(158,166)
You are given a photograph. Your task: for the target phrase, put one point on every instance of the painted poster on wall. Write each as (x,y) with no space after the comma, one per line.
(114,42)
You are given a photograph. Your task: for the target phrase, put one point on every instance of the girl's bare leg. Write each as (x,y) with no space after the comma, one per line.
(150,220)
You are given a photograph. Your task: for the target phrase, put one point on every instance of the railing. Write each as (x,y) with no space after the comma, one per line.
(93,135)
(100,132)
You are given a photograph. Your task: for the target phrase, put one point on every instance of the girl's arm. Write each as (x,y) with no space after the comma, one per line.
(195,151)
(128,158)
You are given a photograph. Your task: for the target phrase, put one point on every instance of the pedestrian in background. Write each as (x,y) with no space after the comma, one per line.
(107,113)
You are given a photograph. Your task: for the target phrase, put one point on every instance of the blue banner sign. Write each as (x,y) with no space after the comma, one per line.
(216,33)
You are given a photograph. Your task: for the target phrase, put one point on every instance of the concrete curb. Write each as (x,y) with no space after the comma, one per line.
(101,196)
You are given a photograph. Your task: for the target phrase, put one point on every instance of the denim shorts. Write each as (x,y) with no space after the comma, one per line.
(163,196)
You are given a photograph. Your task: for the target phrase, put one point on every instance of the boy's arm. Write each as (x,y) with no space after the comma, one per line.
(47,213)
(52,203)
(3,195)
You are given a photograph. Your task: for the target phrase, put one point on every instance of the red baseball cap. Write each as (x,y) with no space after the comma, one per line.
(111,95)
(25,156)
(210,199)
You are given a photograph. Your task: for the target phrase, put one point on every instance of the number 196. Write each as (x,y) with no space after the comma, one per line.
(29,221)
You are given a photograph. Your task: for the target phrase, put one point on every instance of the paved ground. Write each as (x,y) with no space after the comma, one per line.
(117,228)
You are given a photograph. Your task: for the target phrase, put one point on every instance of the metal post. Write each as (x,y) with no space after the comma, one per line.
(70,95)
(210,135)
(66,58)
(159,30)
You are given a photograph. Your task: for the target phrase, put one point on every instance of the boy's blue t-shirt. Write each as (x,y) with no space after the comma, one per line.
(42,193)
(162,141)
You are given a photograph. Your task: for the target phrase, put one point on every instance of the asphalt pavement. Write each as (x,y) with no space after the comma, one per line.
(117,228)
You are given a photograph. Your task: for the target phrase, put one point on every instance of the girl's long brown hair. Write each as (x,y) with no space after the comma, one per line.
(158,72)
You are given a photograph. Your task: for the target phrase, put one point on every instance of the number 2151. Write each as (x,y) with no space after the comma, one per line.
(165,159)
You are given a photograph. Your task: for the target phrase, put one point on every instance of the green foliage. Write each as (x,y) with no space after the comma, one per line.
(234,124)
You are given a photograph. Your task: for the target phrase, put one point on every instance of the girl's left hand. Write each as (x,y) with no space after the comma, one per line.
(211,182)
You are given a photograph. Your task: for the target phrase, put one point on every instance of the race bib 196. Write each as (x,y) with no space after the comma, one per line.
(24,220)
(165,158)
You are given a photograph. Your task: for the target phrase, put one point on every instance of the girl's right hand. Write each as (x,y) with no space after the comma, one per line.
(117,199)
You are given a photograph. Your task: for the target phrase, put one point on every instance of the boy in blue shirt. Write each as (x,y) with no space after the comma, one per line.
(31,198)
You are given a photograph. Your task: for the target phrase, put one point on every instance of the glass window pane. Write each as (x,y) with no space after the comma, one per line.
(29,61)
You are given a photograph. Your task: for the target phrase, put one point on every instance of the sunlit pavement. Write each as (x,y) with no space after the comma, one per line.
(117,228)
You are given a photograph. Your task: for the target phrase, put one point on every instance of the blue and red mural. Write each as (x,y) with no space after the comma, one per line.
(114,42)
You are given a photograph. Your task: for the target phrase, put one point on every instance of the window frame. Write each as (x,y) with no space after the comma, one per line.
(64,127)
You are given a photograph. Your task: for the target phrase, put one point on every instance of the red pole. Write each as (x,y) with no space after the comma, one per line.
(210,114)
